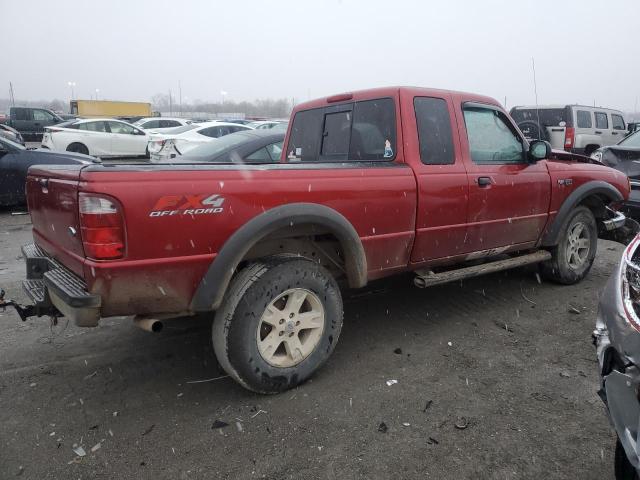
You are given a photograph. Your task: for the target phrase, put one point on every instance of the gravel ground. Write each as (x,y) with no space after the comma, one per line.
(495,379)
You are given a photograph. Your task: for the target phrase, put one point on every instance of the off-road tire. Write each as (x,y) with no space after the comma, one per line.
(622,467)
(78,148)
(237,321)
(559,268)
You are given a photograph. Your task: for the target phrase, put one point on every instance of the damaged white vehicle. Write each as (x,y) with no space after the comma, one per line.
(617,340)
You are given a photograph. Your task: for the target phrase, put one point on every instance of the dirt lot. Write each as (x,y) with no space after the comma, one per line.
(500,356)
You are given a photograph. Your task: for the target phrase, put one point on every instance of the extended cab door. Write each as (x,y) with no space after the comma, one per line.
(508,195)
(433,150)
(41,119)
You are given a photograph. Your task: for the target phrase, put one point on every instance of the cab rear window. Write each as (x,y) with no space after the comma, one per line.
(359,131)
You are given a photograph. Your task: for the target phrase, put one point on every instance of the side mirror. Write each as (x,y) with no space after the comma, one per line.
(539,150)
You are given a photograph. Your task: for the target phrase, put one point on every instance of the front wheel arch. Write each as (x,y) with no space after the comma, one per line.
(594,195)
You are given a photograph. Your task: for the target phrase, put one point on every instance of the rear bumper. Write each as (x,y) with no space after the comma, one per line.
(50,284)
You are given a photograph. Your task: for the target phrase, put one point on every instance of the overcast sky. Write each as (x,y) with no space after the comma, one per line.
(585,51)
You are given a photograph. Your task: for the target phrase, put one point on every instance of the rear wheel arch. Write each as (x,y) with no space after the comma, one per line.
(293,225)
(589,149)
(78,147)
(595,195)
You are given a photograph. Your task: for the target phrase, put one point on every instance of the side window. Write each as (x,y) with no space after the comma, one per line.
(152,124)
(213,132)
(93,126)
(335,135)
(373,134)
(306,131)
(42,116)
(259,156)
(491,138)
(583,119)
(434,131)
(275,150)
(22,114)
(169,123)
(601,120)
(617,121)
(121,128)
(361,131)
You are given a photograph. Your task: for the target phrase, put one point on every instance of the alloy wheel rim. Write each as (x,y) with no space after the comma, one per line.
(578,245)
(290,328)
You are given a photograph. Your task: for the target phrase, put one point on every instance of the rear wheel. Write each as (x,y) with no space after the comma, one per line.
(78,148)
(573,256)
(279,322)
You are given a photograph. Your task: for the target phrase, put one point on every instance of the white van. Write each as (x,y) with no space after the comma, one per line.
(574,128)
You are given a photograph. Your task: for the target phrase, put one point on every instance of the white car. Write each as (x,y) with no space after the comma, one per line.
(163,147)
(100,137)
(161,124)
(260,124)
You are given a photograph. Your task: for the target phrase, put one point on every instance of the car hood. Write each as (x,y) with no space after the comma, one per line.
(68,157)
(572,157)
(620,151)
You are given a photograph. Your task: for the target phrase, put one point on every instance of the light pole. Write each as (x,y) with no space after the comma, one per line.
(223,94)
(71,85)
(97,92)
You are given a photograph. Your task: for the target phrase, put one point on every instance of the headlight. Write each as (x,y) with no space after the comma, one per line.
(630,273)
(597,155)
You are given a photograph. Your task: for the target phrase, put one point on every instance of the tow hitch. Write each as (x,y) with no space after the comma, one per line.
(24,311)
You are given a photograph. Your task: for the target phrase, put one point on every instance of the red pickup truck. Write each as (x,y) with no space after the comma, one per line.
(370,184)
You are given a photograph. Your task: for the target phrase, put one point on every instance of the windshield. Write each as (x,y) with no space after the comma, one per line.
(549,117)
(208,151)
(632,140)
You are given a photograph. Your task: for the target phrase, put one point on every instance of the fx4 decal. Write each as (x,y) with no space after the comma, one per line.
(199,204)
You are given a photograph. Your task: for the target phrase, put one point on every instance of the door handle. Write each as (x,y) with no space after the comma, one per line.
(597,132)
(614,133)
(484,181)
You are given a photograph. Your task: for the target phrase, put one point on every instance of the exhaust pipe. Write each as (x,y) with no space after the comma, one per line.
(148,324)
(419,282)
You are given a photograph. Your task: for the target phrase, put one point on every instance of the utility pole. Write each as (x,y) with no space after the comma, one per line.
(13,99)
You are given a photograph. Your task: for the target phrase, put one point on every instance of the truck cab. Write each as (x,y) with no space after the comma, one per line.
(30,121)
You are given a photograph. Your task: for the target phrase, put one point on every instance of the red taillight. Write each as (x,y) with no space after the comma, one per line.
(569,137)
(101,227)
(52,129)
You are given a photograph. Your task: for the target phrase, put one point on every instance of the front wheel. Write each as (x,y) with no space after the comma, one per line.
(279,322)
(573,257)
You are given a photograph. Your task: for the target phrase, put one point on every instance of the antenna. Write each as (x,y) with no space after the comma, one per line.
(535,92)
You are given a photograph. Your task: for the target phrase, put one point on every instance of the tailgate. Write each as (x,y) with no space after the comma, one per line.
(52,196)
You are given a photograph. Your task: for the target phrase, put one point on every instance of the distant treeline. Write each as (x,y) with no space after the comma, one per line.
(263,107)
(280,108)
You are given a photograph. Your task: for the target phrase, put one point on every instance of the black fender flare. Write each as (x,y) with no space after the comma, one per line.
(594,187)
(212,287)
